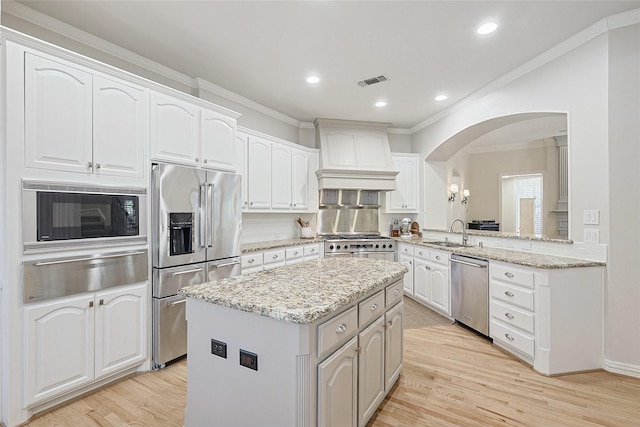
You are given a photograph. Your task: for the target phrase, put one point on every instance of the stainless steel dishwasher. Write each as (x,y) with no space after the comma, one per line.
(470,292)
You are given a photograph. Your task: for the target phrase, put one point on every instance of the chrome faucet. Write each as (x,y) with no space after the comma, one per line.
(464,230)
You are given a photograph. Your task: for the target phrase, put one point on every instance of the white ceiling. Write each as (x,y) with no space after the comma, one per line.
(264,50)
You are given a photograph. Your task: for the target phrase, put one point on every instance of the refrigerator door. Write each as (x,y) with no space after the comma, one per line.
(223,268)
(224,211)
(176,195)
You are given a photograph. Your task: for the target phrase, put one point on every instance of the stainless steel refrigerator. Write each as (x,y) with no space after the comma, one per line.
(196,224)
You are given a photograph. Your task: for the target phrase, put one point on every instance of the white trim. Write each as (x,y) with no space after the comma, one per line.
(589,33)
(510,147)
(622,368)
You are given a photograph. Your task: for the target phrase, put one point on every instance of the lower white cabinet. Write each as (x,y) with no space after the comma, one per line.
(74,341)
(266,260)
(408,280)
(371,380)
(428,277)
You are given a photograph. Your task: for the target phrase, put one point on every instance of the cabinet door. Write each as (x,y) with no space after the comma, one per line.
(421,280)
(408,278)
(395,202)
(59,347)
(58,111)
(338,387)
(119,122)
(281,177)
(440,288)
(121,329)
(299,179)
(410,183)
(217,135)
(371,363)
(259,173)
(174,130)
(241,141)
(394,344)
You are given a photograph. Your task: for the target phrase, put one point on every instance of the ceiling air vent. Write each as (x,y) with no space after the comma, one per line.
(372,81)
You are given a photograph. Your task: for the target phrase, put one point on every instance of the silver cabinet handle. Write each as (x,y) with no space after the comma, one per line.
(420,253)
(197,159)
(508,293)
(251,261)
(509,337)
(90,165)
(295,253)
(97,165)
(438,257)
(341,328)
(312,250)
(227,264)
(90,304)
(101,302)
(251,204)
(204,161)
(396,293)
(509,275)
(64,261)
(174,303)
(274,257)
(178,273)
(508,315)
(374,307)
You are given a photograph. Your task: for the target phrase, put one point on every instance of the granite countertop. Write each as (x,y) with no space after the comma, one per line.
(301,293)
(503,235)
(273,244)
(529,259)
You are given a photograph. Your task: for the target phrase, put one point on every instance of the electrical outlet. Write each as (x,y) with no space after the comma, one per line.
(591,217)
(248,359)
(219,348)
(591,235)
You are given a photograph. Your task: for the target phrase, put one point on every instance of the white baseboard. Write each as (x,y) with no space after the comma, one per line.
(622,368)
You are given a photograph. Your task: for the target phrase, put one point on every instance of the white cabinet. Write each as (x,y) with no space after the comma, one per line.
(274,258)
(394,343)
(217,140)
(430,278)
(371,365)
(265,260)
(185,133)
(299,179)
(405,197)
(74,341)
(281,177)
(78,121)
(407,261)
(258,173)
(252,262)
(240,146)
(338,387)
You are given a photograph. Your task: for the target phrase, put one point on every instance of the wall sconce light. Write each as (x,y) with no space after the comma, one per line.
(465,196)
(453,189)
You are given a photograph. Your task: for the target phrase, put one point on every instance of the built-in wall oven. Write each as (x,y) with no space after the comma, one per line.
(62,215)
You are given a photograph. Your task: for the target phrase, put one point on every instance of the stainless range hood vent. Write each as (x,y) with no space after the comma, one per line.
(372,81)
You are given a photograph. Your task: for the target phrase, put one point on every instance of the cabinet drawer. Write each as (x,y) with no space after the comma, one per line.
(405,249)
(439,257)
(294,253)
(274,256)
(312,250)
(512,275)
(420,252)
(512,295)
(394,293)
(370,308)
(520,341)
(333,333)
(251,260)
(512,316)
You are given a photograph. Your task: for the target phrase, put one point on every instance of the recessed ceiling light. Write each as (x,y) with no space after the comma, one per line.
(441,97)
(380,104)
(487,28)
(313,79)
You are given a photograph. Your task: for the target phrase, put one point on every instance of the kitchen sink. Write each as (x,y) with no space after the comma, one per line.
(444,244)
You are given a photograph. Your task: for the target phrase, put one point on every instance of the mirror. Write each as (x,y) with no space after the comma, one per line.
(517,177)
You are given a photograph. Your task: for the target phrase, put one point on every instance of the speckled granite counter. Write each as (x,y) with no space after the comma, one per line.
(272,244)
(528,259)
(301,293)
(502,235)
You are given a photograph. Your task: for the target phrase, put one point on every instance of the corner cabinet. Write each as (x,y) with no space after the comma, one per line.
(405,197)
(75,341)
(77,120)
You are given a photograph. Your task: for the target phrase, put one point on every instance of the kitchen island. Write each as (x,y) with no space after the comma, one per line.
(315,343)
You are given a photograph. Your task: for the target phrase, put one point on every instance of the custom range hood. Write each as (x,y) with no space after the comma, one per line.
(354,155)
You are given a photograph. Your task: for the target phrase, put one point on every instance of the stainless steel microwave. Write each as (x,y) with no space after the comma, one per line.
(67,215)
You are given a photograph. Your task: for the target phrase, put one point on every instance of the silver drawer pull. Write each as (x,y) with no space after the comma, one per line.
(174,303)
(226,264)
(396,293)
(312,250)
(420,253)
(341,328)
(274,257)
(96,258)
(509,275)
(438,257)
(508,293)
(508,315)
(374,307)
(295,253)
(178,273)
(251,261)
(509,337)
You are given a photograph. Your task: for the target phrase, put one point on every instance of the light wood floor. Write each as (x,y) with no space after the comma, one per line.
(451,377)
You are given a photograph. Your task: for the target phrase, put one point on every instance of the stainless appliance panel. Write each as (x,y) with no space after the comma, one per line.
(53,278)
(220,269)
(175,189)
(470,292)
(168,281)
(225,212)
(347,220)
(170,329)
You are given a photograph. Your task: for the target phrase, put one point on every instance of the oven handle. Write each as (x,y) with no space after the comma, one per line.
(174,303)
(178,273)
(470,264)
(64,261)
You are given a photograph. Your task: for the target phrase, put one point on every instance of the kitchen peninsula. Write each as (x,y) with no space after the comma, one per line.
(314,343)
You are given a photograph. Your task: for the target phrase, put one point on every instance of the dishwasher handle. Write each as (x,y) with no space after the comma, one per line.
(470,264)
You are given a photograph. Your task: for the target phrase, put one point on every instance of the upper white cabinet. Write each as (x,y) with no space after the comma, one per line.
(405,197)
(258,173)
(80,121)
(281,177)
(185,133)
(174,130)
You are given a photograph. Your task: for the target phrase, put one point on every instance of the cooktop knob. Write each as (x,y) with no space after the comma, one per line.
(346,246)
(377,246)
(384,246)
(338,247)
(390,245)
(331,247)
